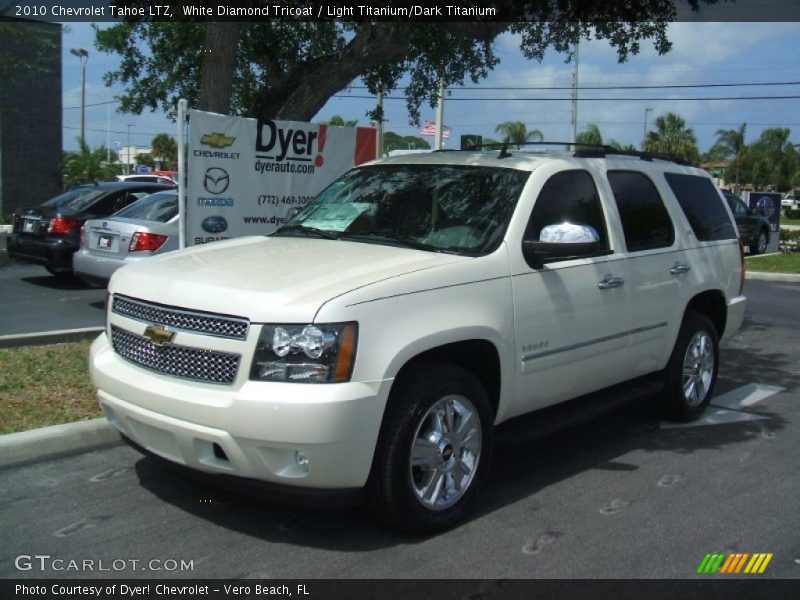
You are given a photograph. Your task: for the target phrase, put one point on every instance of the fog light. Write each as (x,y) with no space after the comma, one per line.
(302,461)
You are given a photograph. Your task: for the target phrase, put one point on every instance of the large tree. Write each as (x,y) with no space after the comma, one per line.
(731,146)
(590,136)
(672,136)
(165,148)
(289,69)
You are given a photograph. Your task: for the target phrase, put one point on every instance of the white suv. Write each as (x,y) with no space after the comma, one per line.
(377,343)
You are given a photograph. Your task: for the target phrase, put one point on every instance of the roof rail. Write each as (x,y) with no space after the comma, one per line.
(587,151)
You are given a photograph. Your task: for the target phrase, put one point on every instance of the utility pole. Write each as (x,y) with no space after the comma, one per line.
(644,135)
(83,56)
(128,153)
(440,117)
(575,57)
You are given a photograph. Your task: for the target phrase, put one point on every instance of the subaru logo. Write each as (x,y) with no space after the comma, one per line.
(216,180)
(215,224)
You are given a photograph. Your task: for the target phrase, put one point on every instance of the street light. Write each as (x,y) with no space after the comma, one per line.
(644,136)
(83,56)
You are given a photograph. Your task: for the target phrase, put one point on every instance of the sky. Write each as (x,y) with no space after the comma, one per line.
(702,53)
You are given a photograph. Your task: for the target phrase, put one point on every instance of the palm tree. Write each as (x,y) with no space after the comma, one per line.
(164,147)
(732,147)
(590,136)
(671,136)
(85,166)
(516,132)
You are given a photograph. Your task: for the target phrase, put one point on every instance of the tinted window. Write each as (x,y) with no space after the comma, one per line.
(430,207)
(738,207)
(75,200)
(568,197)
(155,207)
(701,204)
(645,220)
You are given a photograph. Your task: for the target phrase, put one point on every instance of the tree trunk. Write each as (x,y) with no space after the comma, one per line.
(219,64)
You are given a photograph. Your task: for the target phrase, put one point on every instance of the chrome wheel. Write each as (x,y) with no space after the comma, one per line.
(445,452)
(698,368)
(762,243)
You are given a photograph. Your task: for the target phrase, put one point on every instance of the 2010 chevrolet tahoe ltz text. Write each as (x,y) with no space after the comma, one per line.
(376,343)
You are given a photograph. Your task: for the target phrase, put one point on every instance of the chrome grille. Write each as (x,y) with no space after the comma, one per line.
(179,361)
(179,318)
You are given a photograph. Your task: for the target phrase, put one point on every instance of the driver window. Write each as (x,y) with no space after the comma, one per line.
(568,197)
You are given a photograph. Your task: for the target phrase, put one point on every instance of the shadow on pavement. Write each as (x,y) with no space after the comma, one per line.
(58,283)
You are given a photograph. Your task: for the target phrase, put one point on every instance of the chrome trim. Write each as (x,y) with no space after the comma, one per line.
(171,317)
(608,338)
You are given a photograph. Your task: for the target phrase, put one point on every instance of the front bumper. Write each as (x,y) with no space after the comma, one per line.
(254,430)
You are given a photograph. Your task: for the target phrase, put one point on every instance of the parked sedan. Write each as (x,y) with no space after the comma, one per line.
(145,228)
(754,229)
(49,234)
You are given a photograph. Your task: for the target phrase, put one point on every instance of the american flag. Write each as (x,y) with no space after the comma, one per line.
(430,129)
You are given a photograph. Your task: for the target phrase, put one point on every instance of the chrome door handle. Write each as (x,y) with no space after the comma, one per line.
(610,283)
(679,269)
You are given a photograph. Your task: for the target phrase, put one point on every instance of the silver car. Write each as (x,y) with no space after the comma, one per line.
(143,229)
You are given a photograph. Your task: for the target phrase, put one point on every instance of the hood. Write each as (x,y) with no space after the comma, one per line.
(268,279)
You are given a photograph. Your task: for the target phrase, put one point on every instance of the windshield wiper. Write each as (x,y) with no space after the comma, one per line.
(393,238)
(329,235)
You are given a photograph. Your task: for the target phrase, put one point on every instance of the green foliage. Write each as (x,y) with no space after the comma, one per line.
(86,166)
(517,133)
(394,141)
(793,214)
(337,121)
(591,136)
(165,147)
(145,159)
(289,69)
(671,136)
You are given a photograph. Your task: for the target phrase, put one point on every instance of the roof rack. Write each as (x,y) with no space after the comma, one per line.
(587,151)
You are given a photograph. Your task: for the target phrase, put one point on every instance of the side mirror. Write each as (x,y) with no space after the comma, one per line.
(562,241)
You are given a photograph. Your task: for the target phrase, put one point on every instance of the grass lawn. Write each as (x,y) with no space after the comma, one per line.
(45,385)
(785,221)
(775,263)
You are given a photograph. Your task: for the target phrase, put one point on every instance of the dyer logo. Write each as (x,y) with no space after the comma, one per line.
(734,562)
(215,224)
(289,144)
(217,140)
(216,180)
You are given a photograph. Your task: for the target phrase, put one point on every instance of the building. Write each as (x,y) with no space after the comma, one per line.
(30,113)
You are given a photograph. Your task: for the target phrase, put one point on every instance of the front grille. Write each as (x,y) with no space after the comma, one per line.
(179,318)
(179,361)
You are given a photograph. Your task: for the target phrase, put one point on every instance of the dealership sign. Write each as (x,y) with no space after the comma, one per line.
(247,176)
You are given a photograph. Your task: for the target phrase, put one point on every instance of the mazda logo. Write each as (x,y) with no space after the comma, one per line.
(216,180)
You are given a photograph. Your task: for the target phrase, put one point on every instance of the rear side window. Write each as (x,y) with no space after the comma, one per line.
(702,206)
(645,220)
(155,207)
(568,197)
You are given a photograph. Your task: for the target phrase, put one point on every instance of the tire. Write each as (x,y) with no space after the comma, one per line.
(692,369)
(442,412)
(759,245)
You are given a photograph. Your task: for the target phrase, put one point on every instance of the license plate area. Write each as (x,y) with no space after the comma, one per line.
(104,242)
(28,226)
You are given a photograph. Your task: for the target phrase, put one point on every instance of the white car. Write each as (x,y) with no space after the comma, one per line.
(376,344)
(789,202)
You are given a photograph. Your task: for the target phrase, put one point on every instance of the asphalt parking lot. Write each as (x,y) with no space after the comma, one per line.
(625,496)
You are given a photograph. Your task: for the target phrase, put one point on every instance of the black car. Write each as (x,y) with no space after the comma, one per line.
(50,234)
(754,229)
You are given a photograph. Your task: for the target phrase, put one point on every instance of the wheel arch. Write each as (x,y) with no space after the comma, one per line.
(712,304)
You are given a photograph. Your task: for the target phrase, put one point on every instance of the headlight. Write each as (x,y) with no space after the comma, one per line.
(321,353)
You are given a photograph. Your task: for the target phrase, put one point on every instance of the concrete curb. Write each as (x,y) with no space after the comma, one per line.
(49,337)
(6,228)
(39,443)
(788,277)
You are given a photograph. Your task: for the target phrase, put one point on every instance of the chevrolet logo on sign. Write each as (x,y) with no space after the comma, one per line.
(217,140)
(159,335)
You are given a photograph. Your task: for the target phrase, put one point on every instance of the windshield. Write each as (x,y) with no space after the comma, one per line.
(460,209)
(76,200)
(159,207)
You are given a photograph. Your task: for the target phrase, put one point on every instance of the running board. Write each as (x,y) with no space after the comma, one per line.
(553,419)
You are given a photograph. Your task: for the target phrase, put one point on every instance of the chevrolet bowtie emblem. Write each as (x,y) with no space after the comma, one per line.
(217,140)
(159,335)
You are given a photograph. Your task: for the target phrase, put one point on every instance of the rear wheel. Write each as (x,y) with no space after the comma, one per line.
(434,449)
(692,369)
(760,244)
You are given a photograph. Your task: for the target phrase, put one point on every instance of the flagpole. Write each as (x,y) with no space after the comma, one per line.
(440,117)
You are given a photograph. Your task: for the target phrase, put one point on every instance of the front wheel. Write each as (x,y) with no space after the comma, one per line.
(692,369)
(434,449)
